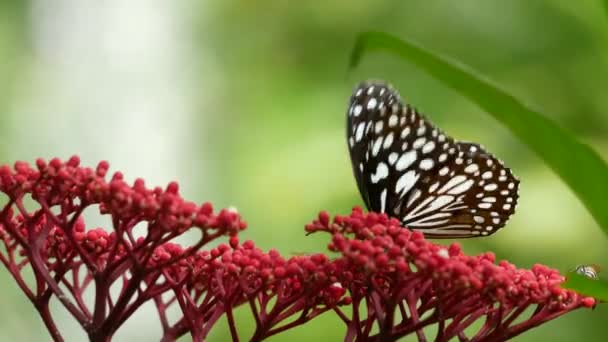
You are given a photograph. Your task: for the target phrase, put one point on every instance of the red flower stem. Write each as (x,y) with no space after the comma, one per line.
(438,313)
(161,308)
(189,319)
(342,315)
(105,328)
(411,302)
(352,326)
(207,303)
(231,323)
(100,307)
(499,325)
(6,208)
(291,309)
(12,230)
(69,232)
(459,326)
(457,308)
(493,320)
(401,331)
(149,293)
(77,296)
(303,318)
(179,329)
(254,311)
(210,322)
(386,328)
(45,314)
(41,271)
(534,321)
(17,276)
(378,310)
(369,321)
(271,318)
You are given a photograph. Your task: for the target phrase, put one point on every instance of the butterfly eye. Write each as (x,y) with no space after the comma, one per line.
(408,168)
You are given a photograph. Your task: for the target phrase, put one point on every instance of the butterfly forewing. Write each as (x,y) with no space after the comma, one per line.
(406,167)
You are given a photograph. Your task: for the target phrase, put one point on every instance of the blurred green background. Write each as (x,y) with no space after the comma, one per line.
(244,104)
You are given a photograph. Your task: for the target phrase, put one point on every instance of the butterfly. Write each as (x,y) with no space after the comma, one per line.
(589,271)
(408,168)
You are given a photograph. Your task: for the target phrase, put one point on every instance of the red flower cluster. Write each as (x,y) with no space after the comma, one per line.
(393,281)
(52,239)
(407,283)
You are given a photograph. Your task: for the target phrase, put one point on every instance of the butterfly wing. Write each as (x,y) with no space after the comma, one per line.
(472,195)
(408,168)
(389,145)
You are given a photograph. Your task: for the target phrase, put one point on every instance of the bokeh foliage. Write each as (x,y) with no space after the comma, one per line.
(271,113)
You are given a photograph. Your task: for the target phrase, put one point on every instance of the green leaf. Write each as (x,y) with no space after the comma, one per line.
(589,287)
(581,168)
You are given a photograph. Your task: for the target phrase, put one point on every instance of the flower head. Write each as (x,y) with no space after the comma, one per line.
(388,276)
(396,272)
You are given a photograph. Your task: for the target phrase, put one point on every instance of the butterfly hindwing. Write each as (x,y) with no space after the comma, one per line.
(411,170)
(470,196)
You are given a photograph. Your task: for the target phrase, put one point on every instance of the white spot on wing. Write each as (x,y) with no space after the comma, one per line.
(392,121)
(433,187)
(406,182)
(462,187)
(406,160)
(471,168)
(371,104)
(484,205)
(428,147)
(383,200)
(376,146)
(419,142)
(429,205)
(426,164)
(378,126)
(421,130)
(360,129)
(392,158)
(381,173)
(388,141)
(490,187)
(452,183)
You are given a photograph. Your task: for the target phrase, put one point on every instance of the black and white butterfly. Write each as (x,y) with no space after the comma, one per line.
(589,271)
(406,167)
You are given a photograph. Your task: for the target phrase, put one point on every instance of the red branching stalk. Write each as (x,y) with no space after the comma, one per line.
(394,281)
(67,259)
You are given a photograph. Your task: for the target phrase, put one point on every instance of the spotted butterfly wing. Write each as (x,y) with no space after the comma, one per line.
(408,168)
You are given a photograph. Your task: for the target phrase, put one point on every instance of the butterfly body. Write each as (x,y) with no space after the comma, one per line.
(408,168)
